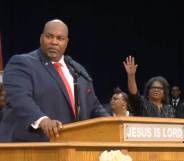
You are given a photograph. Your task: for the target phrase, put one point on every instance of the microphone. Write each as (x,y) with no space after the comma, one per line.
(77,68)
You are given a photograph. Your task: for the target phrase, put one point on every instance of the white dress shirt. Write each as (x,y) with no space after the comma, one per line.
(175,101)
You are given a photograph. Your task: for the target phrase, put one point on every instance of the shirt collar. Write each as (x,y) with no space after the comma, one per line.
(61,61)
(177,100)
(127,113)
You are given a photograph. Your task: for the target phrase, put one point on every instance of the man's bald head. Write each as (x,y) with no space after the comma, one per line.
(55,22)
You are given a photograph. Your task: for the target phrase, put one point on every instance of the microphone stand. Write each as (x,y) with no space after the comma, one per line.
(76,94)
(75,75)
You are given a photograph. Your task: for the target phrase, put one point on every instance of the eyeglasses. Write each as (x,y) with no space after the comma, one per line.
(158,88)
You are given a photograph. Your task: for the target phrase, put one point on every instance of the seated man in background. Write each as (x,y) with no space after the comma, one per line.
(176,100)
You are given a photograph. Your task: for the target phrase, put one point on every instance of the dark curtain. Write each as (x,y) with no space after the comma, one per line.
(102,34)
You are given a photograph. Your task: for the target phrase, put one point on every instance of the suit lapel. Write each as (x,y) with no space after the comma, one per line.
(54,74)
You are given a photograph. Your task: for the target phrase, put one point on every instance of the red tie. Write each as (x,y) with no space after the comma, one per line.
(67,86)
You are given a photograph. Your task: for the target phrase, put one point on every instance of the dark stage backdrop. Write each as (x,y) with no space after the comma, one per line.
(102,34)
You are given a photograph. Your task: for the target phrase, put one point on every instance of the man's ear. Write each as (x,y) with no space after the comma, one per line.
(41,37)
(68,40)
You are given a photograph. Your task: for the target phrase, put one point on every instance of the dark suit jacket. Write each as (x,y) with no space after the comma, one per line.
(34,89)
(179,109)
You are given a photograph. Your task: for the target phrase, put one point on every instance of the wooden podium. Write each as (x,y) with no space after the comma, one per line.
(144,139)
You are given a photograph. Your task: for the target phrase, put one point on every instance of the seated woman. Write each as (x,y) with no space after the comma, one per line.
(119,103)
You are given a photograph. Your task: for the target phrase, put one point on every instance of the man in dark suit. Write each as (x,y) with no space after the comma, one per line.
(177,101)
(40,90)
